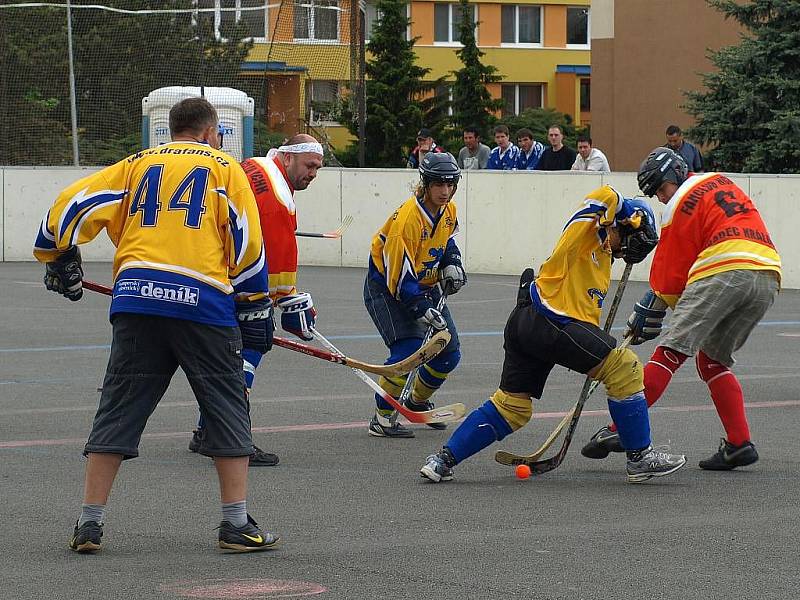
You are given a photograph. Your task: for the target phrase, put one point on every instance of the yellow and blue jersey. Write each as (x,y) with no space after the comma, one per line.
(573,282)
(406,251)
(185,224)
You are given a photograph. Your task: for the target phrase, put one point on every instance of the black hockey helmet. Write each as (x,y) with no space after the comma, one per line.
(637,243)
(662,164)
(439,166)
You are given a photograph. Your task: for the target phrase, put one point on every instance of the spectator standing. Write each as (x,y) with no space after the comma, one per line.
(589,158)
(530,151)
(688,151)
(424,145)
(504,156)
(557,157)
(474,155)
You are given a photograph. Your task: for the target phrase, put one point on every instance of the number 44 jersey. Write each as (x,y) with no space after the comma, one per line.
(185,224)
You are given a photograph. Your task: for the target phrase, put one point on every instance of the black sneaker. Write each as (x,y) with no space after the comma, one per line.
(729,457)
(381,426)
(197,438)
(422,407)
(602,444)
(86,538)
(259,458)
(248,538)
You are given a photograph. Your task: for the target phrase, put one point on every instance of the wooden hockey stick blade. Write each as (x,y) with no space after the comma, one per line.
(423,355)
(443,414)
(434,346)
(507,458)
(331,235)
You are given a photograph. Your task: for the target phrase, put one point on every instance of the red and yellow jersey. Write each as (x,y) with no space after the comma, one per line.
(709,226)
(406,251)
(275,198)
(573,282)
(185,226)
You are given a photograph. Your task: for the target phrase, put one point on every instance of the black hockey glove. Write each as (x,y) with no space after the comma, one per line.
(64,275)
(256,324)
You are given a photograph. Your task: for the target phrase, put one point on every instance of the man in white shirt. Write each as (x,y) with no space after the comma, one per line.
(589,159)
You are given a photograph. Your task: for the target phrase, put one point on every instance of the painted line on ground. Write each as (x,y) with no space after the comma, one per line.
(366,336)
(362,424)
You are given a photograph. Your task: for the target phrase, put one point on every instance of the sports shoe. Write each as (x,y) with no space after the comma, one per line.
(439,467)
(86,538)
(647,463)
(381,426)
(259,458)
(602,444)
(248,538)
(197,438)
(422,407)
(729,457)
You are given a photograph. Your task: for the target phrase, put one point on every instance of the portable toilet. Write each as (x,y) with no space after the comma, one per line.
(235,109)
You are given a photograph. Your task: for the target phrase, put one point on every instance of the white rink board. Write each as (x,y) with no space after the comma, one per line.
(508,221)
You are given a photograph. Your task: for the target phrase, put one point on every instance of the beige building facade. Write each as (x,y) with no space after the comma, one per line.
(645,54)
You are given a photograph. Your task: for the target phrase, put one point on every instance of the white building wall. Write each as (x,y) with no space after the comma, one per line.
(508,220)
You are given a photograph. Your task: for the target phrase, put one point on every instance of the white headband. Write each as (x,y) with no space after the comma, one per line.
(313,147)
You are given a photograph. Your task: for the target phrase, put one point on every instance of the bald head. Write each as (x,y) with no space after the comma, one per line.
(301,167)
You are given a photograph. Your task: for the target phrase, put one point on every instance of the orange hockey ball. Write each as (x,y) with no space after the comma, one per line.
(523,471)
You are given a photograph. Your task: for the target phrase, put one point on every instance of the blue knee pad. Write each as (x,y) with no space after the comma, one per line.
(398,351)
(633,422)
(445,362)
(481,428)
(442,364)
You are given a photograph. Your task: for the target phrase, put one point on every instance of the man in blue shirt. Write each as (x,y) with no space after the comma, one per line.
(688,151)
(504,156)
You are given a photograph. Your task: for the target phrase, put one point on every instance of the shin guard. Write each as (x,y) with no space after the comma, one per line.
(658,373)
(633,422)
(251,360)
(482,427)
(727,396)
(432,374)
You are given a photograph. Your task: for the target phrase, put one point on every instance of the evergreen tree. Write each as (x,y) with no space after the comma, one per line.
(750,114)
(473,105)
(394,90)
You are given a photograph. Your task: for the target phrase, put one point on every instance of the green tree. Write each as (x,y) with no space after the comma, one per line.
(750,113)
(473,105)
(395,91)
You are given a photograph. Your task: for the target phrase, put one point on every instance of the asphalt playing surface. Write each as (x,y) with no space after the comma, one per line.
(357,519)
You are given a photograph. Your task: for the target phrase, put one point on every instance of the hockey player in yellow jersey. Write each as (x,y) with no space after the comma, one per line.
(556,322)
(190,291)
(413,251)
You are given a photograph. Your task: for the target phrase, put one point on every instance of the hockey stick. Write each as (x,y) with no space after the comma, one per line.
(435,345)
(451,412)
(405,393)
(332,235)
(538,467)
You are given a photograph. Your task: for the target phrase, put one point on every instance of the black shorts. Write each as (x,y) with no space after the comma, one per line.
(146,351)
(534,344)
